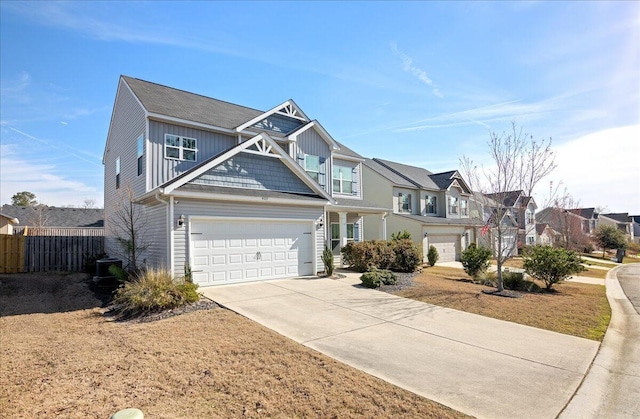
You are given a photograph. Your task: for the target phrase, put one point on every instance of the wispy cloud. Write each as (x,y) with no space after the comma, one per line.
(17,85)
(420,74)
(64,149)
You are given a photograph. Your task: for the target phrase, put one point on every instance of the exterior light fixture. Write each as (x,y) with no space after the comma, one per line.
(181,220)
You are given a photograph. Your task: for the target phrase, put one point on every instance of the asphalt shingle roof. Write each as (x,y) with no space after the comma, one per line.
(57,217)
(176,103)
(621,217)
(416,175)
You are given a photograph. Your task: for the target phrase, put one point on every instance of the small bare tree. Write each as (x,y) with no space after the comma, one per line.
(129,223)
(38,218)
(89,203)
(519,163)
(561,213)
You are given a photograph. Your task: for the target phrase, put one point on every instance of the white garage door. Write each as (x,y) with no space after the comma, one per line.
(238,251)
(447,247)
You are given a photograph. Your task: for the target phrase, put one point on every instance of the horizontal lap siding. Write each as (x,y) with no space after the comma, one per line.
(208,144)
(191,208)
(128,123)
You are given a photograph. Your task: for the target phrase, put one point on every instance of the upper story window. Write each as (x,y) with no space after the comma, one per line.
(431,205)
(453,205)
(140,153)
(404,202)
(529,217)
(464,207)
(312,166)
(180,148)
(342,179)
(118,173)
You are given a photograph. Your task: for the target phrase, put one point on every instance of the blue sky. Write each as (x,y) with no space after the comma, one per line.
(420,83)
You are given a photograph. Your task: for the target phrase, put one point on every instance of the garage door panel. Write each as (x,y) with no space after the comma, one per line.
(447,247)
(233,251)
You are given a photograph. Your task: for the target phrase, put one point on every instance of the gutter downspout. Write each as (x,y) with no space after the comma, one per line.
(169,205)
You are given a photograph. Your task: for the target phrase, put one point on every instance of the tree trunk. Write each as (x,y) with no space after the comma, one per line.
(499,260)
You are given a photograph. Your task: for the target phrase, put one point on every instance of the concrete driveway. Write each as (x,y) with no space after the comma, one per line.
(480,366)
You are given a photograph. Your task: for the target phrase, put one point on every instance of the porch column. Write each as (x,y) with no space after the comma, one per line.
(342,223)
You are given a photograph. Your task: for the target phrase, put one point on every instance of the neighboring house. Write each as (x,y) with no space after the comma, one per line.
(45,220)
(500,226)
(6,223)
(435,208)
(574,227)
(588,219)
(237,194)
(621,221)
(635,224)
(546,236)
(522,209)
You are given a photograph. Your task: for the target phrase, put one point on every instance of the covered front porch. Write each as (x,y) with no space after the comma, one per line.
(345,223)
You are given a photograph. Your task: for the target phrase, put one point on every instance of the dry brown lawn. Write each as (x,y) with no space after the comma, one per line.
(574,309)
(60,357)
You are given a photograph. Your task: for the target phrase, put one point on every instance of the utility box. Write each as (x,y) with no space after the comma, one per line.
(102,266)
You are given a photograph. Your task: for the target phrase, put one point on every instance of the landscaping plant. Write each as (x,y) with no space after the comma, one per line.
(377,277)
(327,260)
(609,237)
(408,255)
(432,255)
(475,260)
(551,264)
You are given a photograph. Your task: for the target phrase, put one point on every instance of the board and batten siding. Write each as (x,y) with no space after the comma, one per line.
(193,208)
(127,124)
(156,235)
(208,144)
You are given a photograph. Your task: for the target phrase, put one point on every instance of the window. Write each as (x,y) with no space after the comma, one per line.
(342,179)
(118,173)
(531,240)
(430,204)
(453,205)
(180,148)
(140,153)
(335,235)
(464,207)
(404,202)
(312,166)
(529,217)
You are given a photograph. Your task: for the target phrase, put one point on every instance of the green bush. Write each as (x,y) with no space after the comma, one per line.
(551,264)
(327,260)
(154,290)
(377,277)
(400,235)
(363,256)
(408,255)
(475,260)
(432,255)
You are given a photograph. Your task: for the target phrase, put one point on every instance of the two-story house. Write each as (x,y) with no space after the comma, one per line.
(435,208)
(522,209)
(234,193)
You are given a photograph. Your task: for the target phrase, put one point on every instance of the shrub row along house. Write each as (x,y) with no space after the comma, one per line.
(236,194)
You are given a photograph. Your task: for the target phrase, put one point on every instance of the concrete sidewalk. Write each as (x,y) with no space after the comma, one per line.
(611,389)
(477,365)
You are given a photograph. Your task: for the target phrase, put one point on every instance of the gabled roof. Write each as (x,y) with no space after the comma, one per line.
(289,108)
(57,217)
(415,175)
(392,176)
(621,217)
(261,144)
(587,213)
(508,199)
(171,102)
(541,227)
(12,220)
(444,180)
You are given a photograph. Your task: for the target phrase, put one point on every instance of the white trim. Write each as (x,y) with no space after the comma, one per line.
(180,147)
(319,129)
(271,111)
(260,153)
(180,121)
(350,158)
(171,235)
(241,198)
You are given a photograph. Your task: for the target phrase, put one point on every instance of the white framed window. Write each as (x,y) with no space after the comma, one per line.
(140,153)
(529,217)
(404,202)
(453,205)
(312,166)
(180,148)
(335,235)
(431,205)
(342,179)
(531,240)
(464,207)
(118,173)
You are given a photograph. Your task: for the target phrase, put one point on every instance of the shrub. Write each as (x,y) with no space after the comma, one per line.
(401,235)
(515,281)
(407,255)
(362,256)
(432,255)
(120,274)
(154,290)
(475,260)
(377,277)
(551,264)
(327,260)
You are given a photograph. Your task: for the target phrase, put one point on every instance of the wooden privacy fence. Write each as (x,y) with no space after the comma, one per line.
(11,254)
(48,253)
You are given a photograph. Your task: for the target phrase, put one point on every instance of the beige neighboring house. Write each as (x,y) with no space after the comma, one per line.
(6,223)
(435,208)
(621,221)
(546,236)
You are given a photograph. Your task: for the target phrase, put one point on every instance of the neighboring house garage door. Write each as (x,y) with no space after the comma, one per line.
(447,246)
(240,251)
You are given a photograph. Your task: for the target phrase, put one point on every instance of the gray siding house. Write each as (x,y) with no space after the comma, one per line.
(435,208)
(235,193)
